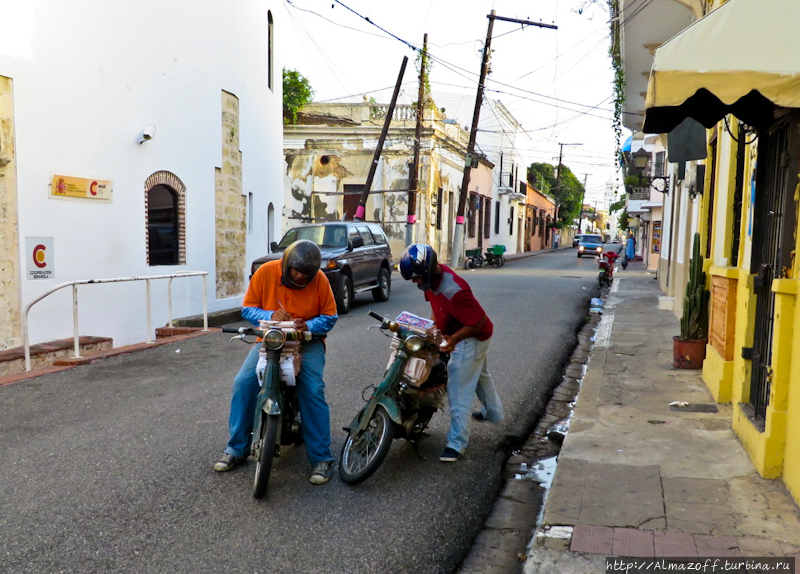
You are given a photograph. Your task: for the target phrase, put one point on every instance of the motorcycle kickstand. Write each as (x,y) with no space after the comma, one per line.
(415,446)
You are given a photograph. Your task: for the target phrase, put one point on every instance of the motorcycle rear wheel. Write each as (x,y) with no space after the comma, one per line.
(362,455)
(269,436)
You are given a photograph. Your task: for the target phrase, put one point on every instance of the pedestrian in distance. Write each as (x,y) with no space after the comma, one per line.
(630,247)
(467,333)
(290,289)
(556,239)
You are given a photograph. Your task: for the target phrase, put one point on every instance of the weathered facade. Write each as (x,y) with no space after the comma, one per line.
(328,155)
(10,323)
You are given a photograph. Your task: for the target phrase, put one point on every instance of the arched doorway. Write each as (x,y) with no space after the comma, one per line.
(164,210)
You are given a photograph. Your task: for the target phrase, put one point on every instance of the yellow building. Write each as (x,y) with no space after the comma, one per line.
(735,70)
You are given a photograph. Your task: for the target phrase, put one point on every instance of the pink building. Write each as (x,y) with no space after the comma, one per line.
(540,212)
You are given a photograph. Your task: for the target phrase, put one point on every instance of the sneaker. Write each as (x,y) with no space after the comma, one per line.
(449,455)
(479,416)
(322,472)
(227,462)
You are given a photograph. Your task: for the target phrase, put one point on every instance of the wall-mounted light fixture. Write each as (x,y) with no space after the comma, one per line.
(640,160)
(147,134)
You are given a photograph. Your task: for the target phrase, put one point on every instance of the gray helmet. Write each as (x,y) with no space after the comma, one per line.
(302,255)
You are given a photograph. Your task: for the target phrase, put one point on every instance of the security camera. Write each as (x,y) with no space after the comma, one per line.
(148,134)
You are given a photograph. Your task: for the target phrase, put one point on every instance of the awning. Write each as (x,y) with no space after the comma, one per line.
(742,58)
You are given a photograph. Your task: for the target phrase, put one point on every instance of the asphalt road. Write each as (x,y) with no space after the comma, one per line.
(108,467)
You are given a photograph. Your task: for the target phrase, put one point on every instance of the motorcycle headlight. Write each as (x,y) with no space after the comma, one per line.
(274,339)
(599,249)
(414,343)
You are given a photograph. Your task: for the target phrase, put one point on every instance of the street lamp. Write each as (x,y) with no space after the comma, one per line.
(640,160)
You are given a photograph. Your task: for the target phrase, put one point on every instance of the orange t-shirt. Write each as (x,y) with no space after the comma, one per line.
(266,292)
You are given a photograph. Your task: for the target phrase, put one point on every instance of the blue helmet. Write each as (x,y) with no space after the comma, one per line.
(419,260)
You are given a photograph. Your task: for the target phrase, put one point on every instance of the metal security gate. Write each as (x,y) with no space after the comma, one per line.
(773,222)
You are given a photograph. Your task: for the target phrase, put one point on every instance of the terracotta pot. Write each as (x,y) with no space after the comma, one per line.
(688,353)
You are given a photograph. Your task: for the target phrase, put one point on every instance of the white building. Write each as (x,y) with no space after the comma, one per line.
(83,196)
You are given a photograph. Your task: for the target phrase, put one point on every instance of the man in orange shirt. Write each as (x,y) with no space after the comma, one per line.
(295,289)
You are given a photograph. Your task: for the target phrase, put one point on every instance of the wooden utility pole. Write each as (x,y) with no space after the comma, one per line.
(583,195)
(458,236)
(362,204)
(411,217)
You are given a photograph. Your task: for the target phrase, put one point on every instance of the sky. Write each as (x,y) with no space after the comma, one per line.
(556,83)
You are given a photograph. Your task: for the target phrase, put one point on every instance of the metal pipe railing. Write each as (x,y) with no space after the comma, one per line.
(74,285)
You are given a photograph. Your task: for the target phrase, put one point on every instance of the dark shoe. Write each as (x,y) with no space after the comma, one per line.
(449,455)
(227,462)
(322,472)
(479,416)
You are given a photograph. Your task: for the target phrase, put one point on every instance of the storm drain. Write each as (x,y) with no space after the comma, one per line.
(695,408)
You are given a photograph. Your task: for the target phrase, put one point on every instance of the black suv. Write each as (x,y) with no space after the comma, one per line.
(356,257)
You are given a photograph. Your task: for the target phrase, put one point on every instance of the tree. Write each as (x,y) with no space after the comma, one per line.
(568,195)
(297,92)
(617,205)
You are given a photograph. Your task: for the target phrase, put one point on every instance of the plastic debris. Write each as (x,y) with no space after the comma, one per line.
(597,302)
(558,431)
(679,404)
(177,350)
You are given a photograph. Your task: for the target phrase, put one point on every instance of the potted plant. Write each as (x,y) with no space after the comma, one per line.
(689,349)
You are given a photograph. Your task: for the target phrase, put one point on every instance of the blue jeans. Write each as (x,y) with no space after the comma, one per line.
(468,375)
(310,394)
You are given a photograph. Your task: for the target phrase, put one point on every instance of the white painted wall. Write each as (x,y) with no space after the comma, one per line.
(88,76)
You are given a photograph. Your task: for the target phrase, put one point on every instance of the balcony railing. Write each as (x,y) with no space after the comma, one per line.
(401,113)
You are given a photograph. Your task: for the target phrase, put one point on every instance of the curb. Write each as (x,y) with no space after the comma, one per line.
(63,364)
(504,542)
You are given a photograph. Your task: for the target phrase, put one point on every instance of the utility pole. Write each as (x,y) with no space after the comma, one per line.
(583,195)
(458,236)
(411,217)
(558,177)
(362,204)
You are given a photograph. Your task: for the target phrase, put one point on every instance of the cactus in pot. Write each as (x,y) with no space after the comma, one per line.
(694,323)
(690,347)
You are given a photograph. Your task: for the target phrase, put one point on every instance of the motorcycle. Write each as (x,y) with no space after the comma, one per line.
(401,406)
(606,263)
(277,420)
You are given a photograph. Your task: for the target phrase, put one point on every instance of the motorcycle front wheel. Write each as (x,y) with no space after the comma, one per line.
(363,453)
(269,436)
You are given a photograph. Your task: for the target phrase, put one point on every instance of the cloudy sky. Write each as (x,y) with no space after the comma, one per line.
(556,83)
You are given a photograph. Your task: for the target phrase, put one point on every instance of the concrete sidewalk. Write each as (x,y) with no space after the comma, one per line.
(637,478)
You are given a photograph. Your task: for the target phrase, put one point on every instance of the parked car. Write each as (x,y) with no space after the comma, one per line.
(356,257)
(590,245)
(576,239)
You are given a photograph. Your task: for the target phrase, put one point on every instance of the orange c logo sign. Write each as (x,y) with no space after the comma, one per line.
(93,188)
(38,256)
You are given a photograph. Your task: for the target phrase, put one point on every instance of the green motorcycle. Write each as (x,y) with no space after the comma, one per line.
(277,419)
(401,406)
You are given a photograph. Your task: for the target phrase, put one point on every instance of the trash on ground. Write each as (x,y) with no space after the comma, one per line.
(597,302)
(558,431)
(679,404)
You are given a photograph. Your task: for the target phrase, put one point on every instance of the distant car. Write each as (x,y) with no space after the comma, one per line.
(590,245)
(356,257)
(576,239)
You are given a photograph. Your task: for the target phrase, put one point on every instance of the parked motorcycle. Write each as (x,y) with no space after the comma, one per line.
(277,419)
(606,264)
(401,406)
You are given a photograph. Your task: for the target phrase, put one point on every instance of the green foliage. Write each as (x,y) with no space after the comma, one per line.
(619,75)
(694,323)
(297,92)
(622,220)
(568,195)
(423,56)
(618,205)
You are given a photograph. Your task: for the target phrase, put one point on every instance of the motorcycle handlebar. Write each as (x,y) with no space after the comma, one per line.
(374,315)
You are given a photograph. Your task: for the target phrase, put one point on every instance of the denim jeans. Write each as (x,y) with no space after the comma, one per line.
(314,410)
(468,375)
